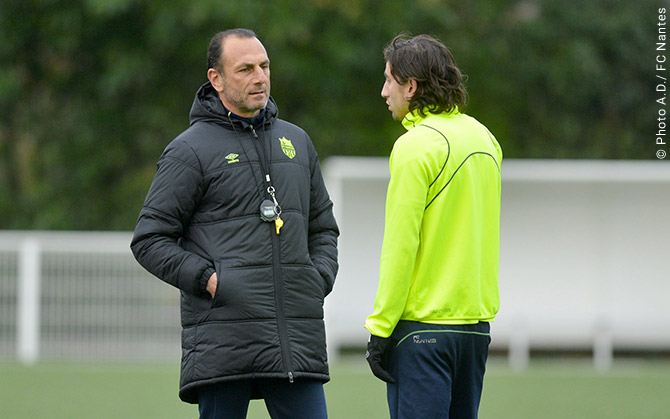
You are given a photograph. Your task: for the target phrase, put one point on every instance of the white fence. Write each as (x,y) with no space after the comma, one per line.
(78,296)
(584,265)
(584,255)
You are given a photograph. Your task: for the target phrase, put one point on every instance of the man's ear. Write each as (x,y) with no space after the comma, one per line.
(216,79)
(412,86)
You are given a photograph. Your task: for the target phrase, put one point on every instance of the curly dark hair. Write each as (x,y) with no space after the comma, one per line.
(440,84)
(215,48)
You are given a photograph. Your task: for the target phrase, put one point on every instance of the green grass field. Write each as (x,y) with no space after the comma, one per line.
(548,389)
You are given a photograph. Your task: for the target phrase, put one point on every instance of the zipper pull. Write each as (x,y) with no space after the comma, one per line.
(253,131)
(290,377)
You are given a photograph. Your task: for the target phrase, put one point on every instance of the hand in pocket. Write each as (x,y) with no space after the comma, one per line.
(212,283)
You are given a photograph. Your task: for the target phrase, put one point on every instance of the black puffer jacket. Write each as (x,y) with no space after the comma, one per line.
(202,215)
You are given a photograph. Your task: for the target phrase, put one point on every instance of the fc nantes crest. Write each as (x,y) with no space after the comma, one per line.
(287,147)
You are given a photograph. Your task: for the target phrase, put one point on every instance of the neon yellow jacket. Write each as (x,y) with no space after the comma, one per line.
(440,254)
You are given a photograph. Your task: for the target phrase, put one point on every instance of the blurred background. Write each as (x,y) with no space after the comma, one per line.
(91,92)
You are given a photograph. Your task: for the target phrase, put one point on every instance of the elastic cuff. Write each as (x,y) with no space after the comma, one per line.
(202,282)
(327,278)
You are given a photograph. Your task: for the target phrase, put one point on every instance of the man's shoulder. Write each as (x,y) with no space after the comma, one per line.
(196,143)
(284,125)
(453,127)
(465,134)
(422,135)
(201,135)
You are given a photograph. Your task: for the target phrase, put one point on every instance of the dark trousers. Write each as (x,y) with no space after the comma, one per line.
(284,400)
(439,370)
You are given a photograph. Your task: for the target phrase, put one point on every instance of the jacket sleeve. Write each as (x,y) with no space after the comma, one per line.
(405,203)
(173,196)
(323,230)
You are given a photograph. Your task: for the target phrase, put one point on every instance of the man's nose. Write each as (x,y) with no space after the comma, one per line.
(260,76)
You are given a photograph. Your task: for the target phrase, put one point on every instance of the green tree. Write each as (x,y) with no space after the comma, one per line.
(91,91)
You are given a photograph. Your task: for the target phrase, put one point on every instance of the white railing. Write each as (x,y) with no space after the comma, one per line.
(73,296)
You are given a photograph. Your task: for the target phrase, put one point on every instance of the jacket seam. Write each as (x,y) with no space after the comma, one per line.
(241,217)
(301,265)
(183,163)
(228,321)
(493,142)
(223,169)
(240,166)
(246,267)
(225,220)
(448,151)
(157,211)
(195,154)
(456,171)
(303,318)
(322,207)
(293,210)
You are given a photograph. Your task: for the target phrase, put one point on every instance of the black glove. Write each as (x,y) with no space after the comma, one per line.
(377,356)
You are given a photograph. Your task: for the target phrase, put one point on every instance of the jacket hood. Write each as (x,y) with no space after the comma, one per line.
(207,107)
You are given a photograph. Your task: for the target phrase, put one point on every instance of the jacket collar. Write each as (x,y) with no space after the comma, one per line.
(413,118)
(255,121)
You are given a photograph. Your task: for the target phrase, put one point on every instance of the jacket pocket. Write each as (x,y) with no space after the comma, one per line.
(243,293)
(220,299)
(217,295)
(305,290)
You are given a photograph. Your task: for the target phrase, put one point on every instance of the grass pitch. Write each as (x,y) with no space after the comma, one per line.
(556,389)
